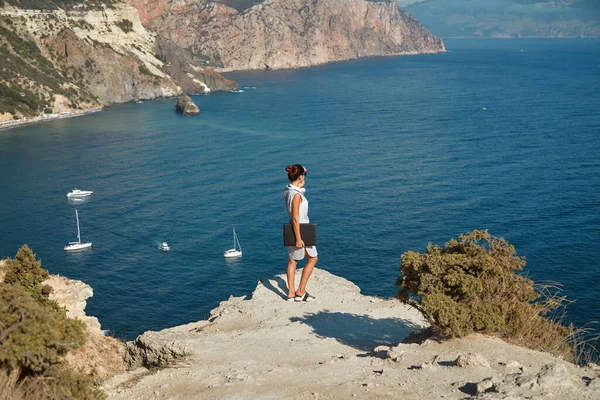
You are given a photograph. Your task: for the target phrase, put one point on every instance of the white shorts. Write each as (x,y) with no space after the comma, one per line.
(297,253)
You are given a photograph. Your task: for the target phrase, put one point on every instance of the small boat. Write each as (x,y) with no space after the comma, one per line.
(76,246)
(164,246)
(231,253)
(76,193)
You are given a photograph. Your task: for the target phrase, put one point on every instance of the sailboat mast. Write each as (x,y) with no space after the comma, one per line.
(78,232)
(234,238)
(237,241)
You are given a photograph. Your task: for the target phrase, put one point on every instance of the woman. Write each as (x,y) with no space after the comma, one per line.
(297,209)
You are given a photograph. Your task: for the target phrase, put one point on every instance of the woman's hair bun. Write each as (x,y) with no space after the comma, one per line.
(290,169)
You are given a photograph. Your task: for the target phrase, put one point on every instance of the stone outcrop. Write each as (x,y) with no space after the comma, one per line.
(186,106)
(286,33)
(68,60)
(343,345)
(101,356)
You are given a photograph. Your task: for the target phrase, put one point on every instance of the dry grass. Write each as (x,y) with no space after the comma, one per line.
(11,388)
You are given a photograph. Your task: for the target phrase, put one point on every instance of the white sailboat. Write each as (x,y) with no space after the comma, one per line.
(75,246)
(236,245)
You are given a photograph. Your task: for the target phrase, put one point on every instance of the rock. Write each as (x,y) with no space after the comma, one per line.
(381,351)
(593,367)
(512,365)
(151,350)
(102,356)
(484,385)
(429,364)
(186,106)
(555,374)
(394,355)
(471,359)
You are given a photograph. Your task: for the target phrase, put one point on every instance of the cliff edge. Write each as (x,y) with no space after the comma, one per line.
(343,345)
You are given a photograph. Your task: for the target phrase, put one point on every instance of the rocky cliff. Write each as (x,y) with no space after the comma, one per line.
(237,35)
(55,61)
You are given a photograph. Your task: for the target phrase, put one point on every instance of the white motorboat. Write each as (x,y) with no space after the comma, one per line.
(237,248)
(76,246)
(164,246)
(76,193)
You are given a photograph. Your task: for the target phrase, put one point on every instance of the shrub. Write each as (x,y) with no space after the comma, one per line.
(33,337)
(126,25)
(144,70)
(61,384)
(471,285)
(27,271)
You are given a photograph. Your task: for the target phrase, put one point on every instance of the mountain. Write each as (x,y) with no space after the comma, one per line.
(64,56)
(61,60)
(254,34)
(509,18)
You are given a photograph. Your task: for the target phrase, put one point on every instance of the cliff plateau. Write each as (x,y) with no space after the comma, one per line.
(237,35)
(343,345)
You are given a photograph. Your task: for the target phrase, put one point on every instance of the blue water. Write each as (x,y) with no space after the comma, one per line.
(401,151)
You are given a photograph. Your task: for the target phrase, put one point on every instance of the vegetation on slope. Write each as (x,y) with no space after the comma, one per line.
(35,335)
(471,285)
(55,4)
(28,80)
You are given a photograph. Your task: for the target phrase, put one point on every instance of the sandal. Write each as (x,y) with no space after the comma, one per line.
(291,299)
(304,297)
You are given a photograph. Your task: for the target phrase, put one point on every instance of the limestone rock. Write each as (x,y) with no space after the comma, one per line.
(381,351)
(186,106)
(555,374)
(101,356)
(152,350)
(471,359)
(553,377)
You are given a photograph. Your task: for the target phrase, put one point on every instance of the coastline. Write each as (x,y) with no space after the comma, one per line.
(53,117)
(45,118)
(408,53)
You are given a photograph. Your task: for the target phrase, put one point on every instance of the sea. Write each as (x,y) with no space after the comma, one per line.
(498,134)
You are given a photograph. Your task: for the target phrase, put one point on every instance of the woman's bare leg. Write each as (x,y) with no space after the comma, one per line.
(306,272)
(291,275)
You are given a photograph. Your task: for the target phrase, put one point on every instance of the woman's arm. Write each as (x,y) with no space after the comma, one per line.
(295,219)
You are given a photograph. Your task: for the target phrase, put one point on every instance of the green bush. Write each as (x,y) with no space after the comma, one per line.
(471,285)
(27,271)
(33,337)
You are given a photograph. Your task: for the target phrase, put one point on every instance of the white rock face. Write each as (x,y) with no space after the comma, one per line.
(73,295)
